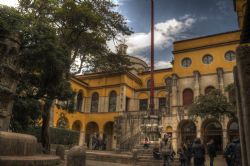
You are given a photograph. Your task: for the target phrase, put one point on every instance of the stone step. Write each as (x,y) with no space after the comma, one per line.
(36,160)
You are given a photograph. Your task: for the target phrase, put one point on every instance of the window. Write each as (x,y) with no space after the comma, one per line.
(162,103)
(168,81)
(209,89)
(230,56)
(112,101)
(149,83)
(94,102)
(186,62)
(188,97)
(79,101)
(207,59)
(143,104)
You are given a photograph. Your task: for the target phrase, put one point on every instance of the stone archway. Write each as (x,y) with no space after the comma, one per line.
(92,130)
(108,135)
(212,129)
(186,131)
(77,126)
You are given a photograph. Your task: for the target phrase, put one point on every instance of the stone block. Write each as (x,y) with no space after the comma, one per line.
(60,151)
(15,144)
(76,156)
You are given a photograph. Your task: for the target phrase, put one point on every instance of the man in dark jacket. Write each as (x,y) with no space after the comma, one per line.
(211,149)
(236,152)
(198,153)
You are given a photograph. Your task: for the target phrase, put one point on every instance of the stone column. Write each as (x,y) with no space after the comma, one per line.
(174,140)
(196,84)
(122,98)
(225,139)
(82,138)
(220,74)
(240,117)
(174,101)
(243,88)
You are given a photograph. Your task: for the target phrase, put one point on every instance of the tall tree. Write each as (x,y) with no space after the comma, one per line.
(213,104)
(84,26)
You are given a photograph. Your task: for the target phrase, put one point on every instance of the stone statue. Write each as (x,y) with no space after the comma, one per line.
(9,51)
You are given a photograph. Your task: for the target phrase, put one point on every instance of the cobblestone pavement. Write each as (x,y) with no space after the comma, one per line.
(219,161)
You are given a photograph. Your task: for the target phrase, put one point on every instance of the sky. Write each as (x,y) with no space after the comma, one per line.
(174,20)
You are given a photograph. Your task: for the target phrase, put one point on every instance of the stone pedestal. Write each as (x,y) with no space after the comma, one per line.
(21,150)
(76,156)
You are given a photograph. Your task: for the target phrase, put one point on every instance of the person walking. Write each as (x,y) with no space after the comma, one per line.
(183,155)
(228,154)
(166,150)
(211,149)
(198,153)
(189,152)
(236,152)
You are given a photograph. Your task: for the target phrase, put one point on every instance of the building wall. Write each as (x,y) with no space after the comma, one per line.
(133,87)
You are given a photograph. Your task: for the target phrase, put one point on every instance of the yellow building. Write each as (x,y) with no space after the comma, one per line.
(199,65)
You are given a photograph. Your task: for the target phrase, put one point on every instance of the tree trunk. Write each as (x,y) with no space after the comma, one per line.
(45,138)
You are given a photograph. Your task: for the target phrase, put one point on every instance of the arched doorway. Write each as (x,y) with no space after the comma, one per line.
(108,135)
(233,130)
(212,129)
(92,130)
(77,126)
(187,131)
(62,122)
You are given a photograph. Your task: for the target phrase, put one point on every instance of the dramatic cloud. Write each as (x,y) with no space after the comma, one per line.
(163,65)
(165,33)
(13,3)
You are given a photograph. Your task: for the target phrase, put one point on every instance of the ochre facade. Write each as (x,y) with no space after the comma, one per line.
(199,64)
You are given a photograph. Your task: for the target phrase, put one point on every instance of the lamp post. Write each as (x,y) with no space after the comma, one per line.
(152,61)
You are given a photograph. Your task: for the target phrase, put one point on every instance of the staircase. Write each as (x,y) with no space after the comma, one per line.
(145,157)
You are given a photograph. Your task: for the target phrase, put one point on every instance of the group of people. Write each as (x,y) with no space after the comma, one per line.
(97,143)
(197,151)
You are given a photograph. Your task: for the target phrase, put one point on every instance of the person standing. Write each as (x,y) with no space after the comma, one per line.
(183,155)
(236,152)
(211,149)
(198,152)
(228,154)
(189,152)
(166,150)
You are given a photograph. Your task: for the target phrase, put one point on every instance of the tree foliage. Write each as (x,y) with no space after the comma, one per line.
(214,104)
(84,27)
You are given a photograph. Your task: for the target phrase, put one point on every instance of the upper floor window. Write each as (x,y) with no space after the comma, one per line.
(94,102)
(112,101)
(188,97)
(186,62)
(209,89)
(143,104)
(79,101)
(162,103)
(207,59)
(230,56)
(149,83)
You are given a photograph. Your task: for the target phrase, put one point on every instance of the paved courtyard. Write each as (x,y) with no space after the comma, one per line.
(219,161)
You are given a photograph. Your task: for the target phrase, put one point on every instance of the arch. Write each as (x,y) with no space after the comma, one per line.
(162,93)
(62,122)
(212,129)
(77,125)
(143,95)
(208,89)
(188,97)
(186,131)
(92,130)
(94,102)
(108,134)
(79,101)
(112,101)
(232,129)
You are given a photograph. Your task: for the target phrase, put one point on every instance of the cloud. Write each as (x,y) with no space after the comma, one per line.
(165,33)
(163,65)
(13,3)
